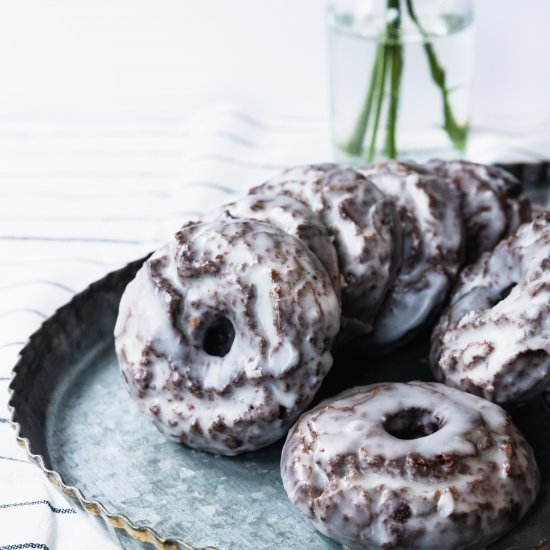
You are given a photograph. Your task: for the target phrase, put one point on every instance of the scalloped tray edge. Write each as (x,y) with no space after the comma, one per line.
(144,534)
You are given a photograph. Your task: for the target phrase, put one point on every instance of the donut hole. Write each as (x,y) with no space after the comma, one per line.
(504,293)
(219,337)
(412,423)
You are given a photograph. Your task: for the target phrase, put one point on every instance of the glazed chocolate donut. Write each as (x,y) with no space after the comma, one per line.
(303,183)
(432,249)
(365,227)
(493,206)
(494,338)
(225,334)
(291,216)
(416,465)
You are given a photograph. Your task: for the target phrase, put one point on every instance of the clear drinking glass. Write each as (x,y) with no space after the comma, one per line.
(400,74)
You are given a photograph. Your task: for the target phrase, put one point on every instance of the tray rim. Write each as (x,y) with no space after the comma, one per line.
(145,533)
(118,520)
(141,533)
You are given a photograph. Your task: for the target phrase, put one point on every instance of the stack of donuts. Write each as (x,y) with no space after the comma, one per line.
(227,332)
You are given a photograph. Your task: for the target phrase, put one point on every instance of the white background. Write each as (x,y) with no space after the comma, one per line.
(156,59)
(92,93)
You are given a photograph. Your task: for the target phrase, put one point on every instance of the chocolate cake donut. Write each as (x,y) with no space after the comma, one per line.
(225,334)
(494,338)
(432,236)
(415,465)
(493,206)
(365,227)
(291,216)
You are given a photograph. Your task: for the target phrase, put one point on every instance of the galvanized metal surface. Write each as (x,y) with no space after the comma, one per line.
(78,424)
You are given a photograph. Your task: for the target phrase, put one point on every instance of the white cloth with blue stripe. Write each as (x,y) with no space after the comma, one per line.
(77,201)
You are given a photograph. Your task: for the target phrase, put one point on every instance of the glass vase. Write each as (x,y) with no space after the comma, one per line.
(400,73)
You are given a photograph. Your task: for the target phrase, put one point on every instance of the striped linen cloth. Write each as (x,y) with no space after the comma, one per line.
(79,200)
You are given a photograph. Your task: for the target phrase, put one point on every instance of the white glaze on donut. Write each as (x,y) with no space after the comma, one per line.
(285,315)
(432,249)
(462,486)
(291,216)
(494,338)
(365,227)
(492,204)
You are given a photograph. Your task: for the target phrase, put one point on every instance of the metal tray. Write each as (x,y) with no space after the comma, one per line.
(77,423)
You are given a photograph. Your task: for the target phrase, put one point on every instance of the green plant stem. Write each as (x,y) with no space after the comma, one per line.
(395,48)
(456,132)
(379,99)
(387,70)
(388,65)
(355,144)
(395,83)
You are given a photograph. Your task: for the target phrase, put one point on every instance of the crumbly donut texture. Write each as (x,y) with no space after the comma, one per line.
(291,216)
(303,183)
(365,227)
(494,338)
(432,236)
(493,206)
(409,465)
(225,334)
